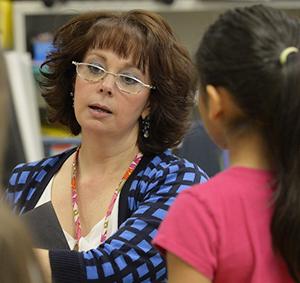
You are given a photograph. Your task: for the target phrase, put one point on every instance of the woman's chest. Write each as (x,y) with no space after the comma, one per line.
(90,203)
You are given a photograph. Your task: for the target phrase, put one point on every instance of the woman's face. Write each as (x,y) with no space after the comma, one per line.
(103,107)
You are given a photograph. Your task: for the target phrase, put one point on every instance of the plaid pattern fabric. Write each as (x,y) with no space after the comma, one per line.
(128,255)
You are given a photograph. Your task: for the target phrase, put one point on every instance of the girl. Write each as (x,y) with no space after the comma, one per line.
(244,224)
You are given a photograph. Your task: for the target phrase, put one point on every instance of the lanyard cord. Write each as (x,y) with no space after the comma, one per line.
(117,191)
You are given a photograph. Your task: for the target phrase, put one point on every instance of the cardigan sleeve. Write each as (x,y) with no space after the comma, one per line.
(16,189)
(28,181)
(128,255)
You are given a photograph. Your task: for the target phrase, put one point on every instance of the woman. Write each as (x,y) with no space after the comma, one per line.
(244,223)
(127,85)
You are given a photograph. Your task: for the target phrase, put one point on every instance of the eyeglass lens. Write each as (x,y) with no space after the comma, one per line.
(93,73)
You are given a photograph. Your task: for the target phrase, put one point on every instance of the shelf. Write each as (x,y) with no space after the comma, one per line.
(73,7)
(24,9)
(53,146)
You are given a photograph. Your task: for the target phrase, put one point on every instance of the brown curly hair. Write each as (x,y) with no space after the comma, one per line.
(151,41)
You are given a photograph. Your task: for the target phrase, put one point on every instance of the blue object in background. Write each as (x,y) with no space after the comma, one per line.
(42,44)
(41,49)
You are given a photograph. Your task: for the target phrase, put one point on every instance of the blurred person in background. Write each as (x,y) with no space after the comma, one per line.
(18,262)
(4,98)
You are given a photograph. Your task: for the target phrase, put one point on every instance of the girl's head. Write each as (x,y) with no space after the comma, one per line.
(149,41)
(251,55)
(240,53)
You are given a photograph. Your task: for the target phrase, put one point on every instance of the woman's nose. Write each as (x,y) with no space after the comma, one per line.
(107,83)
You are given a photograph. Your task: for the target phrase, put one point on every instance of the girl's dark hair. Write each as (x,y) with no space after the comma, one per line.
(151,42)
(240,52)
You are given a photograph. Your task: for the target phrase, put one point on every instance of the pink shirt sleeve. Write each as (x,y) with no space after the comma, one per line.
(190,232)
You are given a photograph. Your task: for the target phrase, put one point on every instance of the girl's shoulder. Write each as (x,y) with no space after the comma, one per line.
(233,185)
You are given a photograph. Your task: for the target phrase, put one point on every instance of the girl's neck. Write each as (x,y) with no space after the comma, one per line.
(249,150)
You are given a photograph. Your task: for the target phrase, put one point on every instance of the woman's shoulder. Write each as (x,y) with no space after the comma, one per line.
(169,163)
(22,171)
(28,180)
(168,158)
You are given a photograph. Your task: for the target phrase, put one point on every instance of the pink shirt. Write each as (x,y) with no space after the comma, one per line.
(222,228)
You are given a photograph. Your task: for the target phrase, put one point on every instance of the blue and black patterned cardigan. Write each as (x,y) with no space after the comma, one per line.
(128,255)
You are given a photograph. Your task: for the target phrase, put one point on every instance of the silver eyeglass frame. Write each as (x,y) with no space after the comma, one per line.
(77,64)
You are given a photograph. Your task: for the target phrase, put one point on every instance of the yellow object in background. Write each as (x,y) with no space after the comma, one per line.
(6,33)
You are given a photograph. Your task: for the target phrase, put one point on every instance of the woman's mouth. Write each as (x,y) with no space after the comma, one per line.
(100,108)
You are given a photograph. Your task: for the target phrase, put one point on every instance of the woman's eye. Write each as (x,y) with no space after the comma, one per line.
(97,70)
(129,80)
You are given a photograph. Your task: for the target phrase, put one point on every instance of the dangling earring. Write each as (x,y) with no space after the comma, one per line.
(72,95)
(146,127)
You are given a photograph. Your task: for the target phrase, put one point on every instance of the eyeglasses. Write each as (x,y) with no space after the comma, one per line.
(125,83)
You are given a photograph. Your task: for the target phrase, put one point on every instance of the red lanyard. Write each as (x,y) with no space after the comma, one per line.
(117,191)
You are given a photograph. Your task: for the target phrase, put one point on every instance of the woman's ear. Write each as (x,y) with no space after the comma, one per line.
(146,111)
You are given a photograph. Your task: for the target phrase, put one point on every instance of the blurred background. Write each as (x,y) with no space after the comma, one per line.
(26,33)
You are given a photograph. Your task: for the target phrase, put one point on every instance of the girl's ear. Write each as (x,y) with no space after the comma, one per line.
(221,104)
(219,111)
(214,102)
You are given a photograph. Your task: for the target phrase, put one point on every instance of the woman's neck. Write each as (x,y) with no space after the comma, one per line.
(105,157)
